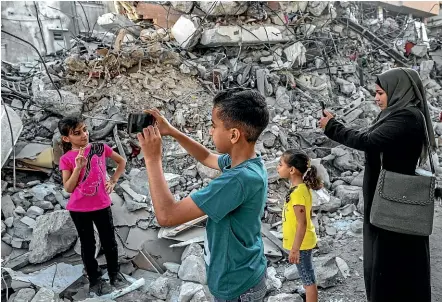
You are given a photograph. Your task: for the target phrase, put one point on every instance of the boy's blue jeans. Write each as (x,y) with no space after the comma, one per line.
(255,294)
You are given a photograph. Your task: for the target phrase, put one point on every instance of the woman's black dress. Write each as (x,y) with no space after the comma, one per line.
(396,266)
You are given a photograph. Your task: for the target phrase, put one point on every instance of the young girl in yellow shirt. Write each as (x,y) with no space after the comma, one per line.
(299,234)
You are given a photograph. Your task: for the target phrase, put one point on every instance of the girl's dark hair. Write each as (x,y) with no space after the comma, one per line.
(65,126)
(300,160)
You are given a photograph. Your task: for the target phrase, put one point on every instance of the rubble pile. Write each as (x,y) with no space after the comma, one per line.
(294,53)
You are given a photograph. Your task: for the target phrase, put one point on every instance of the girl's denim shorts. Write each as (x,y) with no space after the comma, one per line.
(305,268)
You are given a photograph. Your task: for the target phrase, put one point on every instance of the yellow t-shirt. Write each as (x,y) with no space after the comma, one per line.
(300,196)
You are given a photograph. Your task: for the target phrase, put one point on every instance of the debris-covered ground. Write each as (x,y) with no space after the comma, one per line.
(294,53)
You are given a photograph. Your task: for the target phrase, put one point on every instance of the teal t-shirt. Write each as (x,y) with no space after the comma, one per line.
(233,249)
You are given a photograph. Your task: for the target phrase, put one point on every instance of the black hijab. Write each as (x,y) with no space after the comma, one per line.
(404,89)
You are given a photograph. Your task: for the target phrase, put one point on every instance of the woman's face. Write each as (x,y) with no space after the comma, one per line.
(381,98)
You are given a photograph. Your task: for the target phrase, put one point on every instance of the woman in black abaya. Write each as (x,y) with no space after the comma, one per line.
(396,266)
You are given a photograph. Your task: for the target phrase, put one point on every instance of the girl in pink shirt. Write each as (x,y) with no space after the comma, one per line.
(83,166)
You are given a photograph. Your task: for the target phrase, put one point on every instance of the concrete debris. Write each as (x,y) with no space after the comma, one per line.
(189,290)
(186,32)
(291,273)
(247,35)
(160,288)
(69,105)
(273,282)
(327,273)
(228,8)
(348,194)
(285,297)
(24,295)
(54,233)
(45,295)
(193,269)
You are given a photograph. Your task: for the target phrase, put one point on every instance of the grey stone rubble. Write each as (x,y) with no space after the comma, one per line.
(257,53)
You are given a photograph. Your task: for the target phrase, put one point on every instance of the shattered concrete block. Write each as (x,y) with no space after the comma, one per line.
(188,290)
(295,53)
(226,8)
(46,295)
(272,172)
(347,209)
(3,228)
(419,50)
(343,267)
(22,230)
(357,226)
(75,63)
(24,295)
(323,247)
(272,281)
(9,221)
(69,105)
(8,206)
(291,272)
(346,87)
(200,296)
(345,160)
(285,297)
(247,34)
(6,138)
(186,32)
(192,249)
(160,288)
(33,212)
(114,22)
(172,267)
(348,194)
(193,269)
(28,221)
(182,6)
(140,183)
(326,273)
(283,99)
(358,180)
(425,69)
(317,7)
(206,172)
(53,234)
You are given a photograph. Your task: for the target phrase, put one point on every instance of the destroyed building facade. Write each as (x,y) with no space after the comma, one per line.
(176,56)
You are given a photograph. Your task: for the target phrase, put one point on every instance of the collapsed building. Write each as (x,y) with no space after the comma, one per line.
(293,53)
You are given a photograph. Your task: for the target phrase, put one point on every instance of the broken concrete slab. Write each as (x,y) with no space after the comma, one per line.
(193,269)
(56,277)
(291,272)
(114,22)
(186,32)
(69,105)
(8,206)
(228,8)
(193,249)
(273,282)
(6,138)
(46,295)
(246,35)
(160,288)
(34,211)
(140,184)
(24,295)
(122,216)
(285,297)
(137,237)
(188,290)
(326,272)
(172,267)
(348,194)
(149,278)
(54,233)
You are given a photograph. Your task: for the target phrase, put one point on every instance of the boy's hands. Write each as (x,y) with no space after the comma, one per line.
(151,144)
(80,160)
(294,256)
(163,125)
(325,119)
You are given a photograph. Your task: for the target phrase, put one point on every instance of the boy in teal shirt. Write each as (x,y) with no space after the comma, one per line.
(234,202)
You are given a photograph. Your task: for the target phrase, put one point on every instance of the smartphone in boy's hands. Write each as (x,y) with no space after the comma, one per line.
(138,121)
(322,107)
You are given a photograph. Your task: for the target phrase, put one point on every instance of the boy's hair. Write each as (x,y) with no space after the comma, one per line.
(300,160)
(65,126)
(244,109)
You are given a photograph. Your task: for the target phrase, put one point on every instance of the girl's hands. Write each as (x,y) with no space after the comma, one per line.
(110,185)
(294,256)
(163,125)
(80,160)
